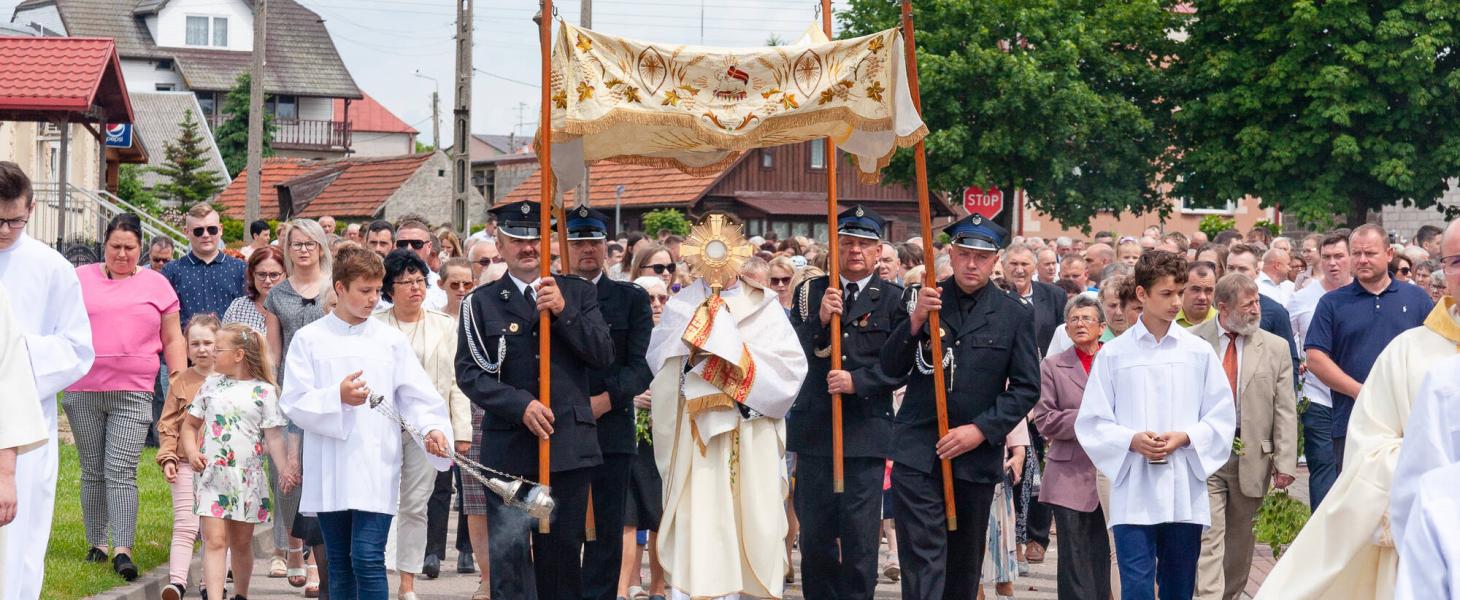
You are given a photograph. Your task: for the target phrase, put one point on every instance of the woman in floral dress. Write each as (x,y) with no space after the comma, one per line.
(238,412)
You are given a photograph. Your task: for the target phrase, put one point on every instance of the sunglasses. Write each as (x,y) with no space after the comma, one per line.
(210,230)
(413,244)
(487,262)
(780,281)
(660,298)
(660,269)
(460,285)
(1403,271)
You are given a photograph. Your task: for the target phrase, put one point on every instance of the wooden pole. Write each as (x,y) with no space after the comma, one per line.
(930,277)
(545,254)
(838,466)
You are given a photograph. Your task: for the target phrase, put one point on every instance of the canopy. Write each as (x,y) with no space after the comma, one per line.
(696,108)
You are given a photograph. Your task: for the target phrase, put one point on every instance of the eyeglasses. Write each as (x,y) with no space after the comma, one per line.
(780,281)
(417,282)
(15,224)
(487,262)
(1083,320)
(161,260)
(1403,271)
(660,298)
(303,246)
(210,230)
(461,285)
(268,276)
(413,244)
(659,269)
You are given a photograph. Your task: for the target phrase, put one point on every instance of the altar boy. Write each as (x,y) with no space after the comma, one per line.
(352,452)
(1158,419)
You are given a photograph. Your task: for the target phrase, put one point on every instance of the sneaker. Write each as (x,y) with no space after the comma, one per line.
(173,591)
(892,571)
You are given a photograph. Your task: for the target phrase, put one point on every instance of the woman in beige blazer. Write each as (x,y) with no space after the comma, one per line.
(432,337)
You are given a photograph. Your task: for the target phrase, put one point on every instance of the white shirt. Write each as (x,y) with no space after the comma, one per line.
(1272,289)
(1222,353)
(352,454)
(1139,384)
(1300,310)
(435,296)
(1430,551)
(861,284)
(46,297)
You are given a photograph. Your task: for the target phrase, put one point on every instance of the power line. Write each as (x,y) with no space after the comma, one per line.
(509,79)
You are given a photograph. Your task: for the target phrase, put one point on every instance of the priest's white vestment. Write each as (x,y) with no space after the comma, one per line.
(45,296)
(725,482)
(1431,441)
(1431,547)
(24,427)
(1346,550)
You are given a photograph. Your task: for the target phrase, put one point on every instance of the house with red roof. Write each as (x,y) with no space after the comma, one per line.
(353,189)
(377,131)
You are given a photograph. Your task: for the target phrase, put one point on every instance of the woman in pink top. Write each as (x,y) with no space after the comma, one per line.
(134,317)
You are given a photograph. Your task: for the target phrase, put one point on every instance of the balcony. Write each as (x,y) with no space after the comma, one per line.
(304,134)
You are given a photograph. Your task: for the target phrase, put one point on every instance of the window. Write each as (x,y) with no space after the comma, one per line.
(767,159)
(284,108)
(818,154)
(166,87)
(207,31)
(164,64)
(197,31)
(208,102)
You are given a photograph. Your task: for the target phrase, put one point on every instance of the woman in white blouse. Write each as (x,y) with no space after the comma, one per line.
(432,337)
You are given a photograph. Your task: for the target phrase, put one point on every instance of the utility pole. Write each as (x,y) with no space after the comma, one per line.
(585,18)
(435,110)
(461,144)
(256,112)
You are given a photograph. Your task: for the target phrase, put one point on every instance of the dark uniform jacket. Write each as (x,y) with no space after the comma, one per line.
(580,343)
(994,382)
(866,415)
(625,307)
(1049,312)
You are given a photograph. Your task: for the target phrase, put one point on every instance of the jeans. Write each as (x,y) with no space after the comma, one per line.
(1318,447)
(354,540)
(1176,544)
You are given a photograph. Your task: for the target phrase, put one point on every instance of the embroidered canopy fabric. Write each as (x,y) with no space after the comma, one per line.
(697,108)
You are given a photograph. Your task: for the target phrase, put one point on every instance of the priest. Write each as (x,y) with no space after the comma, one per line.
(728,368)
(57,332)
(23,429)
(1347,548)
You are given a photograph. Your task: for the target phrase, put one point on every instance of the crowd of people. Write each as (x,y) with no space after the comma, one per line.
(1076,412)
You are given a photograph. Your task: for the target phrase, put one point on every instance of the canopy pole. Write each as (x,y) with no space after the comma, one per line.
(930,277)
(545,253)
(838,466)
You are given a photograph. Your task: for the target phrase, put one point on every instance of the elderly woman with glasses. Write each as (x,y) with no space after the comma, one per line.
(1069,486)
(265,270)
(432,337)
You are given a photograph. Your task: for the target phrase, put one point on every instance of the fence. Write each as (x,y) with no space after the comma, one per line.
(86,215)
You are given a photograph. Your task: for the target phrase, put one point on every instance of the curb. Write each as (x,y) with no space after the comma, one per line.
(149,585)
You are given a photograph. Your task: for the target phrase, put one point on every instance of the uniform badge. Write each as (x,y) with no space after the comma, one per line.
(583,211)
(859,212)
(874,293)
(512,328)
(526,208)
(506,294)
(863,321)
(976,219)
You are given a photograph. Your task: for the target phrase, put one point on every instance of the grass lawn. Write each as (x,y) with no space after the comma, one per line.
(68,575)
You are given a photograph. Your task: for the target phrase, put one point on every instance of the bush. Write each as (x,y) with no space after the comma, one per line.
(233,230)
(1212,225)
(1270,226)
(667,218)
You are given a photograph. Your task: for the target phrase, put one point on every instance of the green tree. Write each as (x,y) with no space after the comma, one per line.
(185,165)
(130,188)
(232,135)
(1062,98)
(1325,108)
(665,218)
(424,148)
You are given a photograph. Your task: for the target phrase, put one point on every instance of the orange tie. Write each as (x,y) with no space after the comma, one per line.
(1229,363)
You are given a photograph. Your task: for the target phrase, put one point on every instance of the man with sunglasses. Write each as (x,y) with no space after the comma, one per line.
(611,392)
(159,253)
(206,280)
(414,234)
(483,255)
(864,303)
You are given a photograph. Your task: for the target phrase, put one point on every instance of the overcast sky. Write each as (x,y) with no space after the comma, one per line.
(385,42)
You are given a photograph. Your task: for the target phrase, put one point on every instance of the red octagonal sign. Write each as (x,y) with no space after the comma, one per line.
(978,201)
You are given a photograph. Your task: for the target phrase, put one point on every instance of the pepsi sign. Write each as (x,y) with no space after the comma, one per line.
(119,135)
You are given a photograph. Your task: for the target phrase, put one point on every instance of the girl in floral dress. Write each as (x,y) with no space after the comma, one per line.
(237,411)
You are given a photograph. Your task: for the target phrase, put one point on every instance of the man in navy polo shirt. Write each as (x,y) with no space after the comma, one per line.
(1352,324)
(206,280)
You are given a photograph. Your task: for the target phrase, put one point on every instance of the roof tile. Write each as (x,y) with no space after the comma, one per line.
(54,73)
(370,116)
(643,186)
(359,190)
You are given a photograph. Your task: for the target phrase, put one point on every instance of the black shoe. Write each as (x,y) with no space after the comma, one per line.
(431,568)
(465,563)
(96,555)
(122,564)
(240,598)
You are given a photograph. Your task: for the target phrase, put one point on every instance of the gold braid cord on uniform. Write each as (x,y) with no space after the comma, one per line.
(732,379)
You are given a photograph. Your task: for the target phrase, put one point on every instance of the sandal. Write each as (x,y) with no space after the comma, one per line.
(311,590)
(296,575)
(277,568)
(484,592)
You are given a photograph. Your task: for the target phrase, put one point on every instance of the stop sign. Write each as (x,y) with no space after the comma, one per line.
(978,201)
